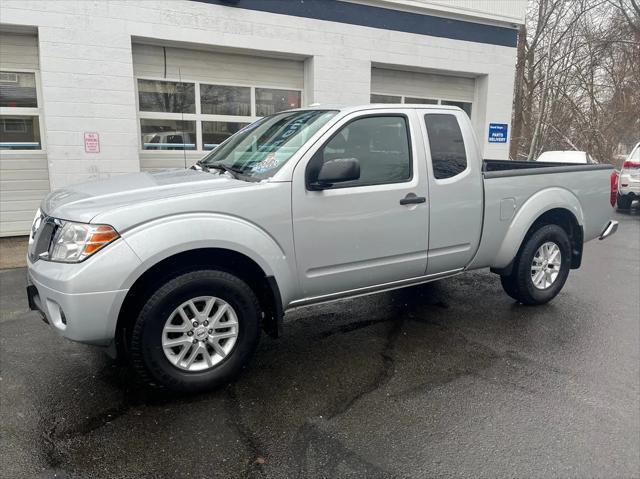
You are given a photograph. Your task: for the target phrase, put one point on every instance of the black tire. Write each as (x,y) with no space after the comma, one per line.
(624,202)
(147,355)
(519,284)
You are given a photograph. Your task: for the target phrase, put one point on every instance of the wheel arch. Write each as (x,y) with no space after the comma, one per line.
(265,286)
(548,206)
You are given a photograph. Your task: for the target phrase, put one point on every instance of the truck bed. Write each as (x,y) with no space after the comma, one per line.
(517,192)
(504,168)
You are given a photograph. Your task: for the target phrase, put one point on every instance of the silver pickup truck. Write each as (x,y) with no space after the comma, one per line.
(181,270)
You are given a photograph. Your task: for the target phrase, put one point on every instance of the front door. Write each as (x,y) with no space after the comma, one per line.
(359,233)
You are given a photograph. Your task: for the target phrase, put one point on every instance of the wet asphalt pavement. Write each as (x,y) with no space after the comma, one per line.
(447,379)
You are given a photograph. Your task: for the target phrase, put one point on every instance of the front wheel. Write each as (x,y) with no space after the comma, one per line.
(541,268)
(196,332)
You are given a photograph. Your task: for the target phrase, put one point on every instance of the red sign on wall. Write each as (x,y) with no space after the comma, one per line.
(91,142)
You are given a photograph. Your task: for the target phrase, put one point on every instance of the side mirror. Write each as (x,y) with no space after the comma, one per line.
(336,171)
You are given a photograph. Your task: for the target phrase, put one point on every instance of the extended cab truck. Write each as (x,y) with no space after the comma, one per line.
(180,270)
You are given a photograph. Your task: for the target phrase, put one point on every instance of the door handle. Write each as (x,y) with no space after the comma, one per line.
(412,199)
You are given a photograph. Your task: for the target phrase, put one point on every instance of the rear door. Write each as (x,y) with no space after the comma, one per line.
(360,233)
(455,189)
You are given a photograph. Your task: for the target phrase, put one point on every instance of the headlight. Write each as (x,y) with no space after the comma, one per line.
(74,242)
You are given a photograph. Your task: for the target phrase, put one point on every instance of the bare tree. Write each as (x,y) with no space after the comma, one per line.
(630,10)
(577,78)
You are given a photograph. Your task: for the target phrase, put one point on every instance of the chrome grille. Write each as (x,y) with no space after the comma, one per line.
(42,232)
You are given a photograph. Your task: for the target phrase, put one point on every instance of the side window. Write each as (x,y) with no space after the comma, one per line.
(447,145)
(379,143)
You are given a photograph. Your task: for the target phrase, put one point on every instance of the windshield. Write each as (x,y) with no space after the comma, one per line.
(260,149)
(635,156)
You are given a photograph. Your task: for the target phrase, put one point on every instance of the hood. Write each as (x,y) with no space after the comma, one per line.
(84,201)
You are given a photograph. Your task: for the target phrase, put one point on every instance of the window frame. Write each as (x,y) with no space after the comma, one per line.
(191,150)
(385,94)
(439,101)
(454,114)
(27,111)
(434,100)
(202,143)
(254,107)
(198,116)
(252,104)
(165,80)
(338,186)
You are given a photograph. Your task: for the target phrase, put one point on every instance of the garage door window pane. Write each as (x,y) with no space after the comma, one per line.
(166,96)
(466,107)
(381,146)
(215,132)
(225,100)
(269,101)
(19,133)
(448,155)
(420,101)
(168,134)
(375,98)
(18,90)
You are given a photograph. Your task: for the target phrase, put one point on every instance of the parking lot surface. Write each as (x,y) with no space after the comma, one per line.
(447,379)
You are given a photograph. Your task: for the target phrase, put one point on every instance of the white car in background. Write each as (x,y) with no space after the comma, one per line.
(629,180)
(566,157)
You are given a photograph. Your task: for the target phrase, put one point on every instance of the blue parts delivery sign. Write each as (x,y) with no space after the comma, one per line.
(498,132)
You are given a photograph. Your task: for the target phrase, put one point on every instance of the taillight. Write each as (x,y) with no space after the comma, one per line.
(614,188)
(631,164)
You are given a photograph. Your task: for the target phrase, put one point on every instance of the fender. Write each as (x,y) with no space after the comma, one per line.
(161,238)
(534,207)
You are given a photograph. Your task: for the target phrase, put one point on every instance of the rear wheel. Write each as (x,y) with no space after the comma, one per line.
(196,332)
(541,268)
(624,202)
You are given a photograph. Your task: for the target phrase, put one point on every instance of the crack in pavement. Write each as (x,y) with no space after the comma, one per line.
(349,327)
(309,434)
(254,467)
(53,433)
(53,456)
(384,375)
(492,355)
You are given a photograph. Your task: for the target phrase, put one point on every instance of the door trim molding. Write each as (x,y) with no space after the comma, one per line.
(364,264)
(367,290)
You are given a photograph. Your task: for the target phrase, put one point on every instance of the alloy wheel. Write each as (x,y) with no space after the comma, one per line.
(200,333)
(545,266)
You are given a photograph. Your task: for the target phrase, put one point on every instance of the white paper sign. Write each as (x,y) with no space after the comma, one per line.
(91,142)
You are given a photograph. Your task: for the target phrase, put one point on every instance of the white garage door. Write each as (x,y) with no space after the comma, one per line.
(24,175)
(397,86)
(189,101)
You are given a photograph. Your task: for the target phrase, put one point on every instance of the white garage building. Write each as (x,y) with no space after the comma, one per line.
(91,89)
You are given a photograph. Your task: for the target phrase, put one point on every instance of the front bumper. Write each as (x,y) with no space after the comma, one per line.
(610,228)
(82,301)
(85,317)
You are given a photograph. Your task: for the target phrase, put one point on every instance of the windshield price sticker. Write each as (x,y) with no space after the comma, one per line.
(269,163)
